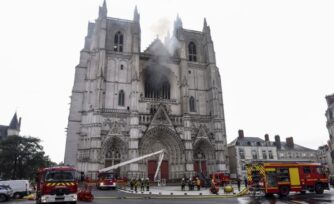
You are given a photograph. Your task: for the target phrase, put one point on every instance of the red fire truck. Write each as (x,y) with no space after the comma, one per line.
(56,184)
(106,180)
(221,178)
(284,177)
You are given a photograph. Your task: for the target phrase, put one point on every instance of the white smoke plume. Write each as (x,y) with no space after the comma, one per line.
(161,27)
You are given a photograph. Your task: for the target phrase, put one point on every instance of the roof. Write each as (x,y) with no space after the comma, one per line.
(14,123)
(284,147)
(246,140)
(157,48)
(296,147)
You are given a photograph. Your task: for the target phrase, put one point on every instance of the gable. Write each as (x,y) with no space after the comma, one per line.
(157,48)
(160,118)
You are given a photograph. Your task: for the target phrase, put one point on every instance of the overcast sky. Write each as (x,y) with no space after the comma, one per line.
(276,60)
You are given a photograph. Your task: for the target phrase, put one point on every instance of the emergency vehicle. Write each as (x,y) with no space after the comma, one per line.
(56,184)
(106,180)
(221,178)
(284,177)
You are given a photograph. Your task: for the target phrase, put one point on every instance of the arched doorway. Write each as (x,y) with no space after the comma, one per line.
(114,152)
(158,138)
(204,157)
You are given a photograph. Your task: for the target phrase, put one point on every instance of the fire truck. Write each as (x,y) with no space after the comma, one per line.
(106,180)
(222,178)
(284,177)
(56,184)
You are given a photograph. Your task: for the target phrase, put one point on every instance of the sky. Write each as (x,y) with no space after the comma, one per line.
(276,60)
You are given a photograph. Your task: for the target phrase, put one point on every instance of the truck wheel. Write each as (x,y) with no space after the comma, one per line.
(284,191)
(17,196)
(302,192)
(269,195)
(3,198)
(318,188)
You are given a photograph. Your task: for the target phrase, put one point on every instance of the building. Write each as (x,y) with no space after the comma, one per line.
(248,149)
(127,102)
(245,150)
(289,151)
(330,123)
(12,129)
(324,157)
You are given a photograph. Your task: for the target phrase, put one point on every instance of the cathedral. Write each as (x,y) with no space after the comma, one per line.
(126,102)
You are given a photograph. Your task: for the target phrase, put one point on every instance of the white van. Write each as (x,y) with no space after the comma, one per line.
(20,187)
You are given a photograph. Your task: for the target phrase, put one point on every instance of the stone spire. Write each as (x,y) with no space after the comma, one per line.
(177,22)
(136,15)
(206,28)
(103,10)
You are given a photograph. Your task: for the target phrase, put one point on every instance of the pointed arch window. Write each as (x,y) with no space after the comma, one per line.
(121,98)
(192,104)
(118,42)
(192,52)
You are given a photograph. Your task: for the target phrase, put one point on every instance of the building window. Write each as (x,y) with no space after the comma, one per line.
(192,52)
(192,104)
(118,42)
(243,166)
(271,156)
(241,153)
(122,67)
(157,89)
(254,154)
(121,98)
(264,154)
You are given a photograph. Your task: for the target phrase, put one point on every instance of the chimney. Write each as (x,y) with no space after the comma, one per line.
(266,137)
(289,142)
(278,141)
(241,134)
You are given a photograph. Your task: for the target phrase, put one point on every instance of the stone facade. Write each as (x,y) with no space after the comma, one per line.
(126,102)
(324,157)
(330,123)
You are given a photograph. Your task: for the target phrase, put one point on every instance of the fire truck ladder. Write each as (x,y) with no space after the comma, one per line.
(161,156)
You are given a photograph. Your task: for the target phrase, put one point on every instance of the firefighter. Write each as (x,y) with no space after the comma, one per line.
(142,184)
(238,183)
(213,188)
(147,183)
(190,184)
(136,184)
(183,184)
(198,183)
(132,184)
(245,180)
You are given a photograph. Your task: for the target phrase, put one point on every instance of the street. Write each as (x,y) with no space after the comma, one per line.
(111,196)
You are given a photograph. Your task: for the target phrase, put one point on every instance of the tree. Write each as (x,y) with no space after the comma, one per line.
(20,157)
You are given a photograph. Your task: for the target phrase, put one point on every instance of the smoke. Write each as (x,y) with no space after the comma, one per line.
(156,72)
(172,45)
(161,27)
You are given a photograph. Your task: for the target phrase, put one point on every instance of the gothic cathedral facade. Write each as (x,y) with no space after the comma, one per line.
(126,103)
